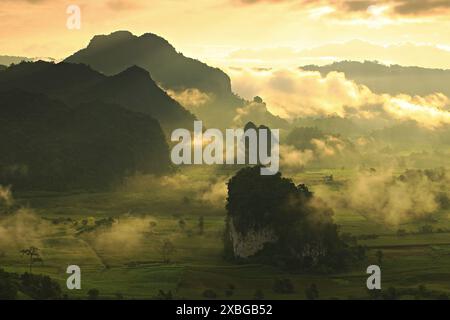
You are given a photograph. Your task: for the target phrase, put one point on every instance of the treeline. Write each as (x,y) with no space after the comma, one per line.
(15,286)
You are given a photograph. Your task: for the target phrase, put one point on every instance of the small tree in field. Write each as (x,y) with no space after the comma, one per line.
(379,255)
(167,249)
(33,254)
(201,225)
(312,293)
(182,224)
(93,294)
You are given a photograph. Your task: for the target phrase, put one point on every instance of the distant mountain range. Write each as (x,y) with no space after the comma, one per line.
(114,53)
(8,60)
(133,88)
(393,79)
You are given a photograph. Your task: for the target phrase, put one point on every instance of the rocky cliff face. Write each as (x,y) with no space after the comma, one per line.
(250,243)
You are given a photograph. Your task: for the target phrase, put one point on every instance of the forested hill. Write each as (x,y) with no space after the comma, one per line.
(50,146)
(133,88)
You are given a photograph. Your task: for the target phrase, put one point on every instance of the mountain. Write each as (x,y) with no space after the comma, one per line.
(77,83)
(7,60)
(118,51)
(51,146)
(393,79)
(111,54)
(256,111)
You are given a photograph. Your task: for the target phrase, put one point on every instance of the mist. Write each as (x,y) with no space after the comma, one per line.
(22,229)
(388,197)
(6,197)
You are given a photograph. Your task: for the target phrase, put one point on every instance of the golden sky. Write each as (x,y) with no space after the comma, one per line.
(225,32)
(261,44)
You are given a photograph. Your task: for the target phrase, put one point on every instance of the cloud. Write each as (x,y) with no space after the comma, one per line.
(365,8)
(388,198)
(22,229)
(292,158)
(256,111)
(191,98)
(358,50)
(6,196)
(211,190)
(122,5)
(175,181)
(296,93)
(415,7)
(251,111)
(29,1)
(260,1)
(125,236)
(329,148)
(216,194)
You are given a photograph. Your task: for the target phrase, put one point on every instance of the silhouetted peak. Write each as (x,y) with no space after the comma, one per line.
(134,72)
(258,99)
(112,38)
(250,125)
(114,53)
(157,40)
(120,37)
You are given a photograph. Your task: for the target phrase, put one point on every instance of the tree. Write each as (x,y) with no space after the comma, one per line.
(210,294)
(379,255)
(312,293)
(8,288)
(162,295)
(284,286)
(93,294)
(167,249)
(119,296)
(186,201)
(201,225)
(33,254)
(40,287)
(259,295)
(391,294)
(230,290)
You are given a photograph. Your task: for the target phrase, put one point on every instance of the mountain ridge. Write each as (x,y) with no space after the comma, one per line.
(392,79)
(170,69)
(76,83)
(52,146)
